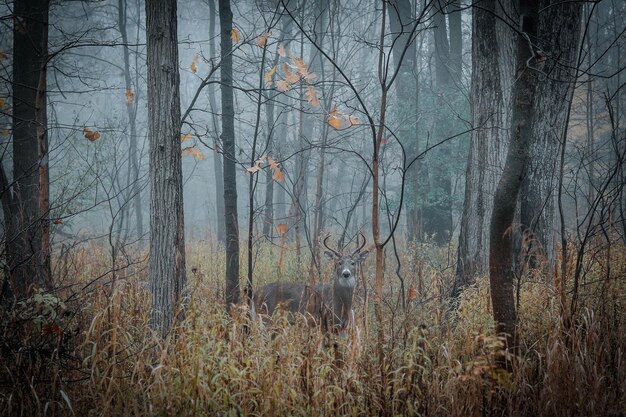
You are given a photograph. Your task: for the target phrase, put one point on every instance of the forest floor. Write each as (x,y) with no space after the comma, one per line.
(93,354)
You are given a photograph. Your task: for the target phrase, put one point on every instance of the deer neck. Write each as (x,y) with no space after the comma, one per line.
(342,301)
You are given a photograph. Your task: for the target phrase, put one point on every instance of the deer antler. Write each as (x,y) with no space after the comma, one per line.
(330,249)
(357,242)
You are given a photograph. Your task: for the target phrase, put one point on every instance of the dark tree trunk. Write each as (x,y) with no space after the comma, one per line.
(437,211)
(167,240)
(228,143)
(401,21)
(492,43)
(559,37)
(501,271)
(27,220)
(218,167)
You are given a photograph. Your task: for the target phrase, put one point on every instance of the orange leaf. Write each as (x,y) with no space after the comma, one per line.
(51,328)
(185,137)
(3,101)
(5,132)
(278,175)
(235,36)
(130,96)
(193,151)
(311,96)
(262,41)
(281,50)
(283,85)
(3,56)
(333,119)
(301,67)
(281,228)
(272,163)
(267,77)
(57,221)
(290,76)
(91,135)
(194,64)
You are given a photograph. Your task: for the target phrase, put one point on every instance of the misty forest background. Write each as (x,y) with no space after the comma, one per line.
(161,161)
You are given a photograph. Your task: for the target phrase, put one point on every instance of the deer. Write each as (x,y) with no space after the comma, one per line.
(329,305)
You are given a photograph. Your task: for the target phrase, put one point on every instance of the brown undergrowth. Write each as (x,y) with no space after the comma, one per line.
(86,350)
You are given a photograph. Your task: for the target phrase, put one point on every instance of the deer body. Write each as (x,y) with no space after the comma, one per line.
(327,304)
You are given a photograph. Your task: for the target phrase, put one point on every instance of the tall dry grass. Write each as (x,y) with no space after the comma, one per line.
(92,354)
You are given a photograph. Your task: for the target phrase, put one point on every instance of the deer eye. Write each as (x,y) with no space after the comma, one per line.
(352,263)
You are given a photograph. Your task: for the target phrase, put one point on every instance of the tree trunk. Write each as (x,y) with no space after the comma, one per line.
(228,142)
(167,248)
(559,37)
(28,240)
(131,106)
(489,97)
(218,168)
(437,209)
(501,271)
(401,21)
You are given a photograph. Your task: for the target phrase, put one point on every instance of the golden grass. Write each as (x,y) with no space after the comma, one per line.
(97,357)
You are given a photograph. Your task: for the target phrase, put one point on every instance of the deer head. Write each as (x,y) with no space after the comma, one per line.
(345,264)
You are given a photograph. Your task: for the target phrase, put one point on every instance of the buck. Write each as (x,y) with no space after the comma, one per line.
(329,305)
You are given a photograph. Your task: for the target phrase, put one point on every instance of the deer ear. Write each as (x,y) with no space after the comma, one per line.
(363,255)
(329,254)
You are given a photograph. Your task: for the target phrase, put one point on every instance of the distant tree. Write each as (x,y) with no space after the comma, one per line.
(167,248)
(228,143)
(401,20)
(218,167)
(25,198)
(501,234)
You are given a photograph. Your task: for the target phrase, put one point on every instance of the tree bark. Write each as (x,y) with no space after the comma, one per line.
(218,168)
(501,271)
(228,142)
(167,248)
(437,209)
(492,43)
(559,37)
(28,237)
(401,20)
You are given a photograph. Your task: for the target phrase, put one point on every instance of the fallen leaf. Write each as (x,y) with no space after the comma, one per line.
(185,137)
(57,221)
(5,132)
(3,56)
